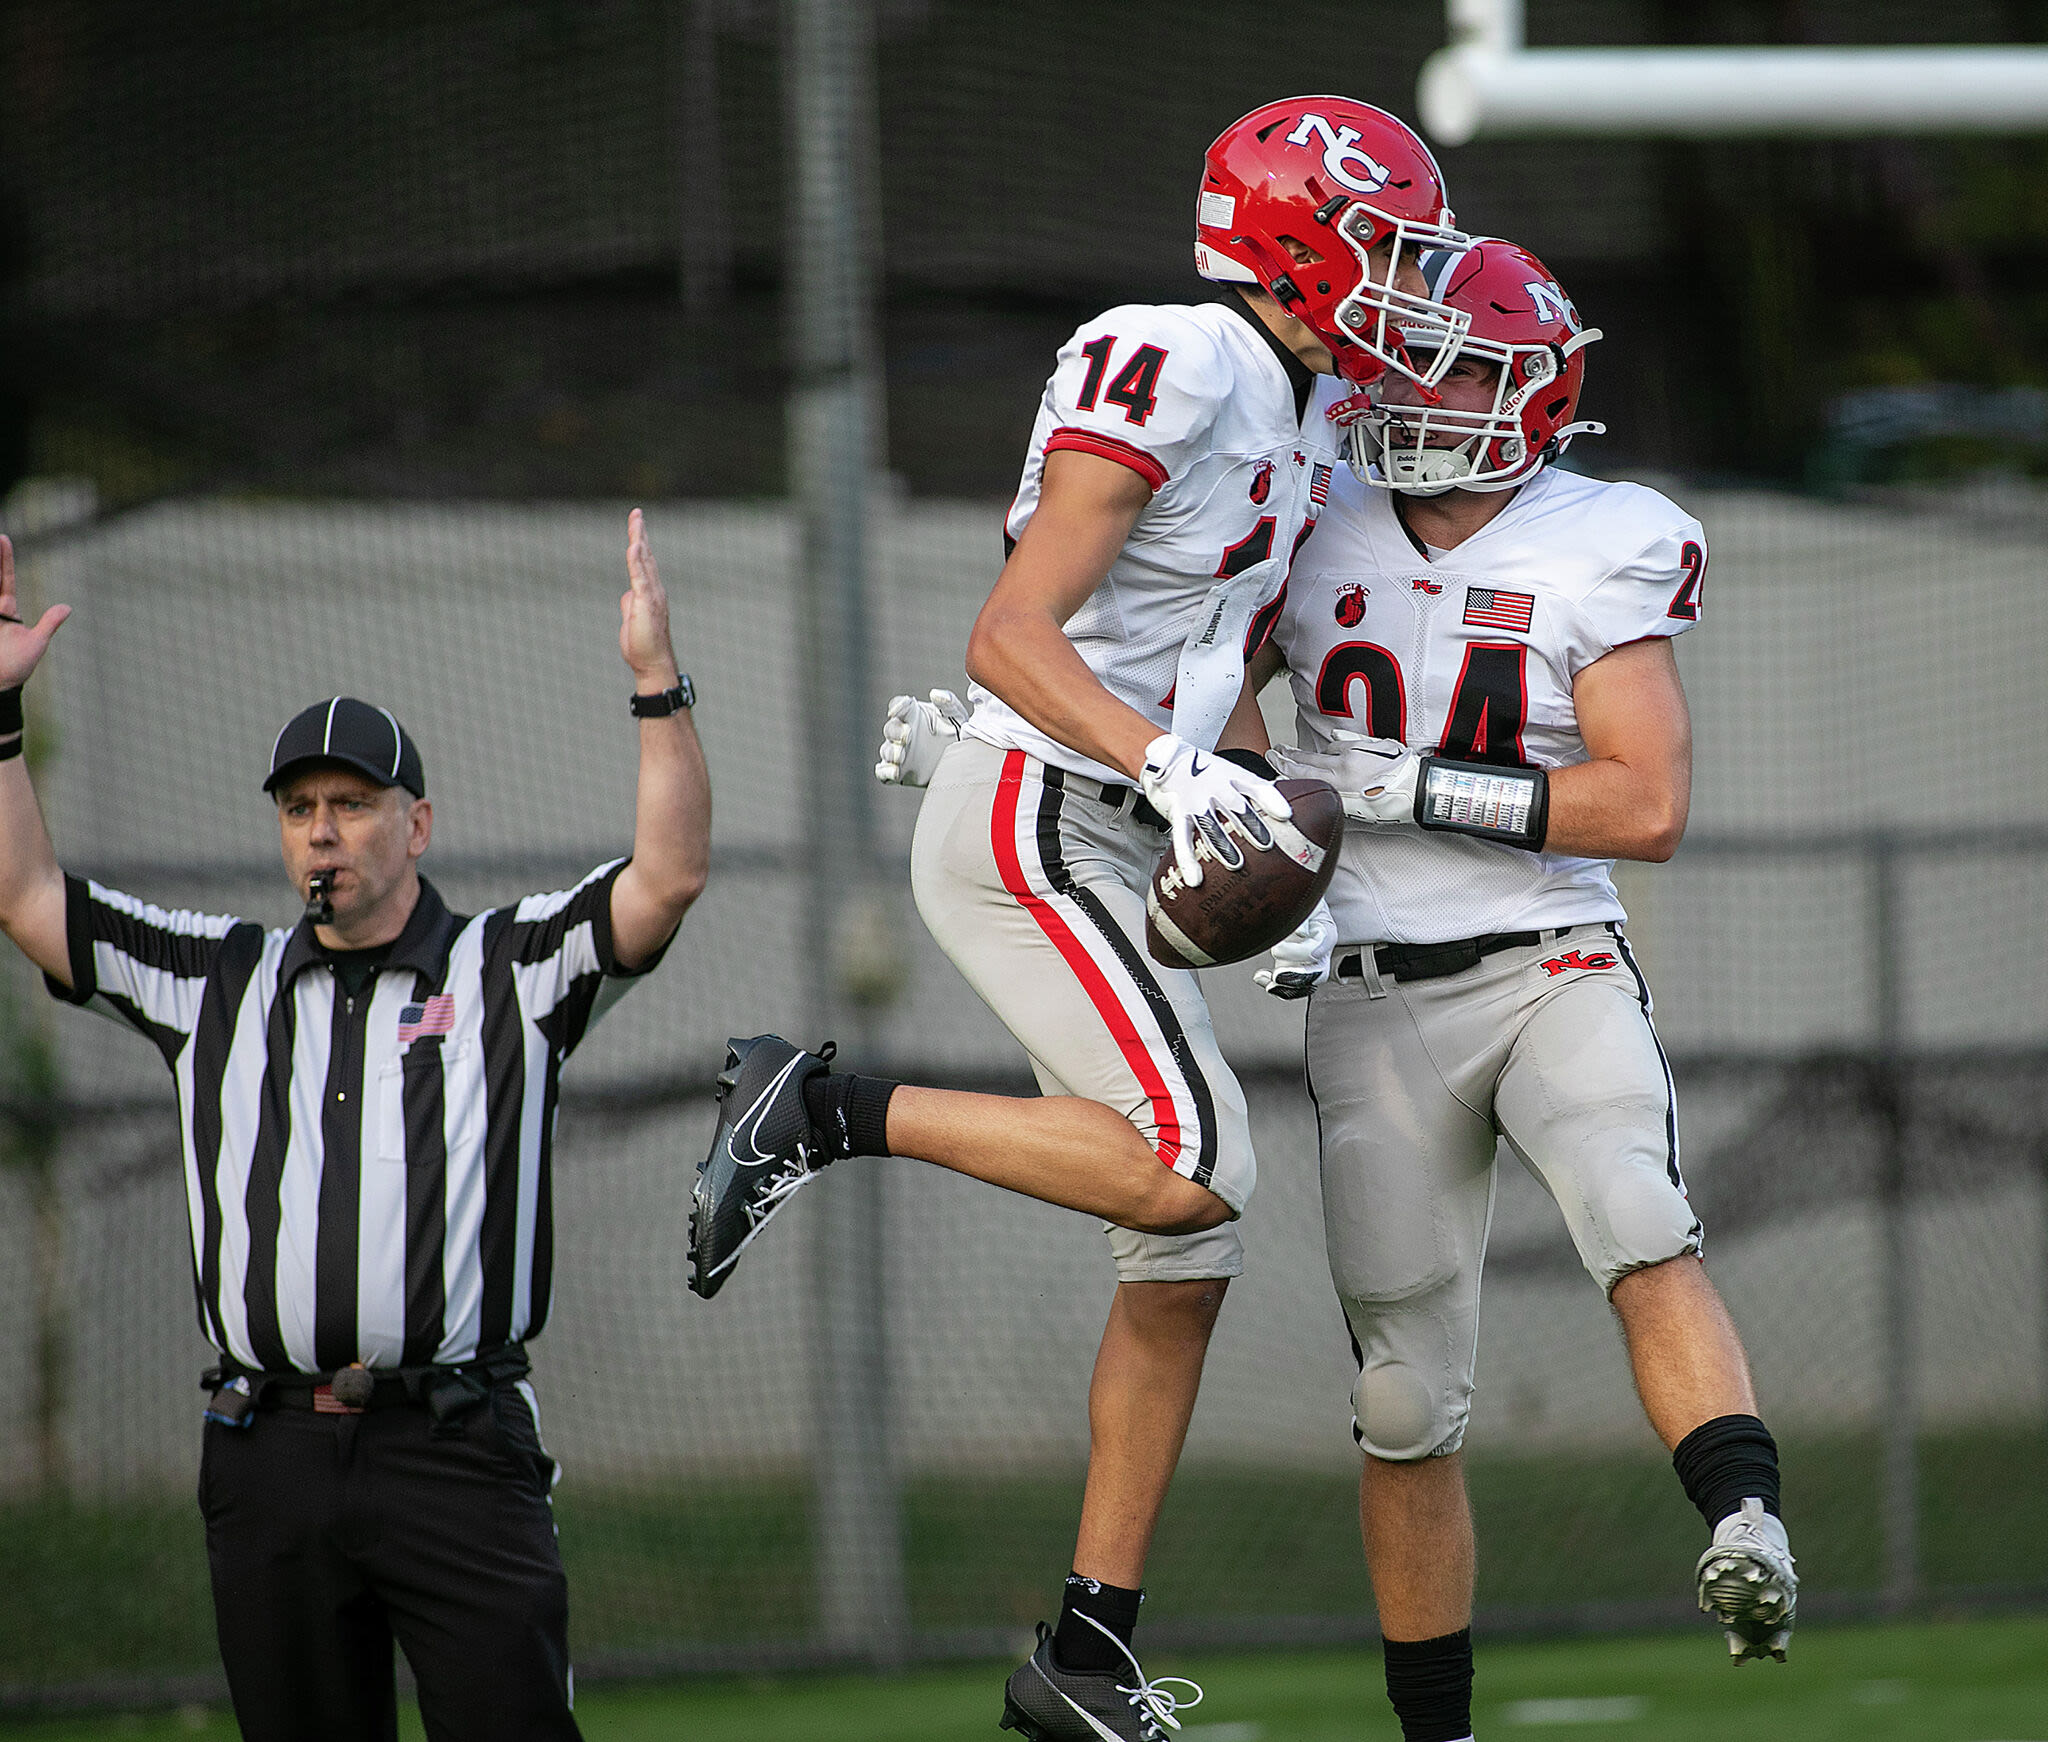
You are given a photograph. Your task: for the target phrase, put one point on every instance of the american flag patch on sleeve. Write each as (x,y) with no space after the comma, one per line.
(1490,608)
(436,1016)
(1319,484)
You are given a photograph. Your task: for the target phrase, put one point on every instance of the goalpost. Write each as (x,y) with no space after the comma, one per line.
(1487,85)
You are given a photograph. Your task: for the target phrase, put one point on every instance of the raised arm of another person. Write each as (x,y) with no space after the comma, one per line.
(672,812)
(31,881)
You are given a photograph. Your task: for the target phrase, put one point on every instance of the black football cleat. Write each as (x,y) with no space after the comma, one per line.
(1046,1703)
(763,1151)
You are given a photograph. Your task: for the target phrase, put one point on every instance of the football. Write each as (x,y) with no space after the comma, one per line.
(1260,879)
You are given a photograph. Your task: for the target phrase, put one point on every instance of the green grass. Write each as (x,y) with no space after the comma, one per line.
(1984,1681)
(122,1590)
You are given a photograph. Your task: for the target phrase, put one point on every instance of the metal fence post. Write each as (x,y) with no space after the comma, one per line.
(703,227)
(834,424)
(1899,1484)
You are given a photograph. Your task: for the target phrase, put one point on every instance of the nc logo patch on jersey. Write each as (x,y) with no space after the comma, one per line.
(1578,959)
(1423,584)
(1342,160)
(1262,481)
(1351,605)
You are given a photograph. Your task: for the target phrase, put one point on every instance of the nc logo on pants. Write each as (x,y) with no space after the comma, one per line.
(1578,959)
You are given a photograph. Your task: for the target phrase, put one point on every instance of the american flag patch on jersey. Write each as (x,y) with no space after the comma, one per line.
(436,1016)
(1319,484)
(1490,608)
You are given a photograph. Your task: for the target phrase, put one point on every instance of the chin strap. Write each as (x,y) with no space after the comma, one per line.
(1349,409)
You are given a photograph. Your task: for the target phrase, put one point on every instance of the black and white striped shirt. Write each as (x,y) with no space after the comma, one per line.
(367,1177)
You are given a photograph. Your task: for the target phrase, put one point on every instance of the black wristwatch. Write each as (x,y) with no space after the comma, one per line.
(670,701)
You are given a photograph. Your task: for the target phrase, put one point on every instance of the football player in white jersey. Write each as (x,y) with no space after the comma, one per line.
(1479,647)
(1175,466)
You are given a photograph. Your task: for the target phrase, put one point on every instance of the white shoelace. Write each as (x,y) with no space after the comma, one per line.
(778,1190)
(1151,1697)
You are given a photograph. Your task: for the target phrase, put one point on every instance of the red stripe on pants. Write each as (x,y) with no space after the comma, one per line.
(1085,968)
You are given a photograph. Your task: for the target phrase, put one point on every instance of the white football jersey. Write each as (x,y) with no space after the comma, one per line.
(1472,652)
(1205,405)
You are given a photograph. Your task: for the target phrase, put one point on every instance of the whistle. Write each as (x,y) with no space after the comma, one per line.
(320,898)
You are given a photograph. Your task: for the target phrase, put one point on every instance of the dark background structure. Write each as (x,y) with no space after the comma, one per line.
(520,250)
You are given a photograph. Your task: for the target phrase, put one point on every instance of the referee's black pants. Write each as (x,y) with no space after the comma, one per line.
(331,1536)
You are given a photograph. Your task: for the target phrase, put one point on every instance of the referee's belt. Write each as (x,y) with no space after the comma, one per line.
(1434,961)
(442,1390)
(1121,800)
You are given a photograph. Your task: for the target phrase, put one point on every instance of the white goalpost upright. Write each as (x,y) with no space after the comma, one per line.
(1488,84)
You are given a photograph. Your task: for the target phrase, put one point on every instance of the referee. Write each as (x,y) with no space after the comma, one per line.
(367,1103)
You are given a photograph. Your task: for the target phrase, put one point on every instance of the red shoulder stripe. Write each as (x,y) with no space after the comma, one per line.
(1088,441)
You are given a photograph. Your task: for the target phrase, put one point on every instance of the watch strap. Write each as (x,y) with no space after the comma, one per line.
(682,694)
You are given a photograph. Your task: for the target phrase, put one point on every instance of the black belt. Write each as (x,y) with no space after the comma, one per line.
(387,1391)
(444,1392)
(1434,961)
(1118,798)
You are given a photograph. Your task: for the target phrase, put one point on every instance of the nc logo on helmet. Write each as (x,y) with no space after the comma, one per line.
(1551,303)
(1341,157)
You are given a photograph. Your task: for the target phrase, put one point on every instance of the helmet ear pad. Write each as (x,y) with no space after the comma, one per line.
(1271,264)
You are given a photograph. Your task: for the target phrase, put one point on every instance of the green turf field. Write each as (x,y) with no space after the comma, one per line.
(1959,1681)
(121,1590)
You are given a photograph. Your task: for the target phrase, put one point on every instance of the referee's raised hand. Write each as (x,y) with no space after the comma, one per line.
(22,645)
(643,610)
(672,796)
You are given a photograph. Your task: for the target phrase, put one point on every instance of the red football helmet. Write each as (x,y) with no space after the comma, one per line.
(1336,179)
(1520,320)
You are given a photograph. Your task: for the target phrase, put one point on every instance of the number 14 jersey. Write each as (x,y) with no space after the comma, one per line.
(1473,652)
(1205,405)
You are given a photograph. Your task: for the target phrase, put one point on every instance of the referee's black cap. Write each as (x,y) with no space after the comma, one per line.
(355,734)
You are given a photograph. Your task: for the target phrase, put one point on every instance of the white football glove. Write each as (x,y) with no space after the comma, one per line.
(1375,777)
(1301,960)
(1182,783)
(916,734)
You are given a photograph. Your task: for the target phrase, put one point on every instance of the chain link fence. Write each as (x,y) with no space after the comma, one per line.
(1845,956)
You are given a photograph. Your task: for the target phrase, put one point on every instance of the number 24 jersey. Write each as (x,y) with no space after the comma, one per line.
(1473,652)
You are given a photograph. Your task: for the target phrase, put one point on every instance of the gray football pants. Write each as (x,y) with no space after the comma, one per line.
(1035,887)
(1548,1045)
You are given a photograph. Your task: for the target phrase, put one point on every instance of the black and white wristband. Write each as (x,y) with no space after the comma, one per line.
(1509,805)
(671,701)
(11,724)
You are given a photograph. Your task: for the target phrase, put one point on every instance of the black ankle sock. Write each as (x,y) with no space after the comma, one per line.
(1725,1462)
(1429,1682)
(850,1112)
(1080,1647)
